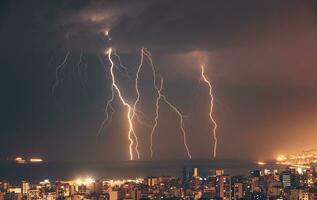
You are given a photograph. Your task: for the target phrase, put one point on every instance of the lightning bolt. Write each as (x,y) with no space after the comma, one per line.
(205,79)
(124,102)
(81,69)
(57,71)
(157,105)
(137,101)
(162,97)
(108,107)
(106,111)
(125,69)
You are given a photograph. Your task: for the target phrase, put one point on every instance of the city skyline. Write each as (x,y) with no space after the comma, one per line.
(239,80)
(190,183)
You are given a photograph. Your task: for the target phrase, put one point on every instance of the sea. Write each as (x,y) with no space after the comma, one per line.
(55,171)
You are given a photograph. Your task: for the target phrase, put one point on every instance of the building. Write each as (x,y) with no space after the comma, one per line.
(274,189)
(195,172)
(237,191)
(25,187)
(116,194)
(151,181)
(225,187)
(290,178)
(303,194)
(294,194)
(219,172)
(33,193)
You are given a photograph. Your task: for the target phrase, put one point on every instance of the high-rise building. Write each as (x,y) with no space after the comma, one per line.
(136,194)
(116,194)
(290,178)
(286,179)
(209,193)
(13,196)
(309,176)
(303,194)
(313,194)
(219,172)
(256,173)
(16,190)
(237,191)
(151,181)
(195,172)
(293,194)
(225,187)
(274,189)
(34,193)
(25,187)
(254,184)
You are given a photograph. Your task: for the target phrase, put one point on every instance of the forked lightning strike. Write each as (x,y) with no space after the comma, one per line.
(122,67)
(161,96)
(132,110)
(157,104)
(108,106)
(134,113)
(137,101)
(124,102)
(205,79)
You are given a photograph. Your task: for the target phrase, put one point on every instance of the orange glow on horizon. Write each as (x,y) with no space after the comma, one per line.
(261,163)
(281,158)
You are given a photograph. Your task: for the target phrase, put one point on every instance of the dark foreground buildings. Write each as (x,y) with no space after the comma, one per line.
(262,185)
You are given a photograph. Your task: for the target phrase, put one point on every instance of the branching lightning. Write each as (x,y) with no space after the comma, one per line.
(107,120)
(125,103)
(205,79)
(157,105)
(108,107)
(57,71)
(121,66)
(132,109)
(136,102)
(134,113)
(161,96)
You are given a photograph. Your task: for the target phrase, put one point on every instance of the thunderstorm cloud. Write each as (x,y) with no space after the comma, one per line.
(260,57)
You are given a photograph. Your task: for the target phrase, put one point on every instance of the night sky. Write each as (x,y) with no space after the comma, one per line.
(261,57)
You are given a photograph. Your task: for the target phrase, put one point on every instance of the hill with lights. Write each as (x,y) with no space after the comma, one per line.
(303,159)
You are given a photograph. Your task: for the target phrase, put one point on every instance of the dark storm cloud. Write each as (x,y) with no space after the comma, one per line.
(209,25)
(261,29)
(181,25)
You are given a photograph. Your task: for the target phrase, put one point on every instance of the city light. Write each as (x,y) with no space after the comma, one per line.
(281,158)
(36,160)
(301,159)
(85,181)
(19,160)
(261,163)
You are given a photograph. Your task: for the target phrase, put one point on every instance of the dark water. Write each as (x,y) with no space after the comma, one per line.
(105,170)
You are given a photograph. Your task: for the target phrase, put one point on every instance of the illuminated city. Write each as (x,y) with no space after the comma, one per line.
(258,184)
(158,99)
(302,159)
